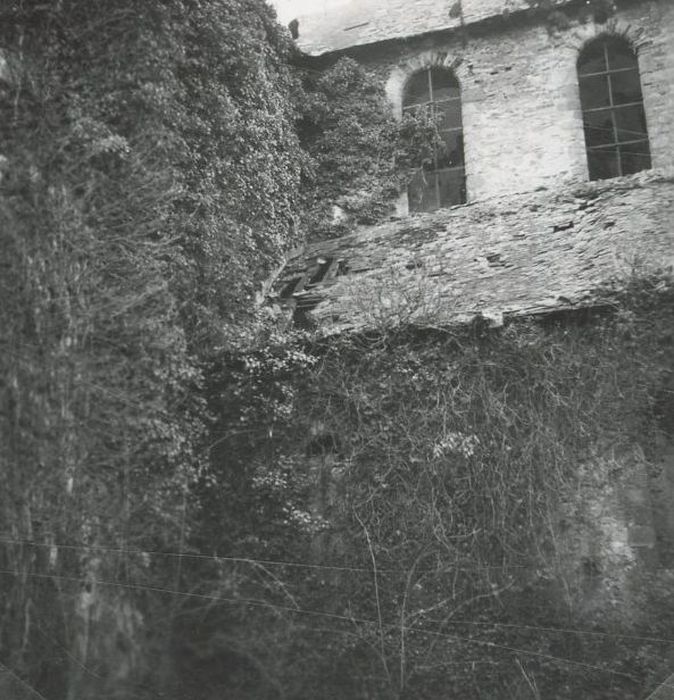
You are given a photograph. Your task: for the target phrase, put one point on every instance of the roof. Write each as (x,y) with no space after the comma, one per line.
(334,25)
(518,255)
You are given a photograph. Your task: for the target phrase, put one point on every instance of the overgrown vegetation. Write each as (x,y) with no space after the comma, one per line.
(157,158)
(417,486)
(151,174)
(361,156)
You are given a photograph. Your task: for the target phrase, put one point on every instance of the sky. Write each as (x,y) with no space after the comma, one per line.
(289,9)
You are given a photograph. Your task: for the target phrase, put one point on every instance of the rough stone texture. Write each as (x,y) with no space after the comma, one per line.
(522,117)
(334,25)
(593,557)
(522,131)
(516,255)
(521,105)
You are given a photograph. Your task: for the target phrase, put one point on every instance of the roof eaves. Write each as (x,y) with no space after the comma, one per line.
(371,38)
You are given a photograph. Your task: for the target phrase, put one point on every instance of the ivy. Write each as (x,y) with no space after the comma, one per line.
(416,483)
(362,157)
(150,180)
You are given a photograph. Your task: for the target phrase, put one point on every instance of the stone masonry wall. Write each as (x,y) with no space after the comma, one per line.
(334,25)
(521,105)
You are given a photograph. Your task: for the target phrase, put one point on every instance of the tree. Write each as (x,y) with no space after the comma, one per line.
(150,177)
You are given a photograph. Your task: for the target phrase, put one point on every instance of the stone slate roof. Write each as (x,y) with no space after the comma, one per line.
(334,25)
(516,255)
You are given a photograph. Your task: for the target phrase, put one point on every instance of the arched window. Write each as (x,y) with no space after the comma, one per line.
(441,181)
(613,109)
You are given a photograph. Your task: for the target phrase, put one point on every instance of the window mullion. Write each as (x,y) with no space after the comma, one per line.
(603,72)
(620,159)
(435,148)
(614,122)
(615,127)
(618,150)
(626,104)
(435,145)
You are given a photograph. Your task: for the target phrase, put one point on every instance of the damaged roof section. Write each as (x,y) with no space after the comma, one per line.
(519,255)
(335,25)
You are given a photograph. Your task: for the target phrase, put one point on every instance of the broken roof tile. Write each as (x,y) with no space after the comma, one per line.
(491,271)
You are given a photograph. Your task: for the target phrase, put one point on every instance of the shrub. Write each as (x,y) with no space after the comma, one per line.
(432,469)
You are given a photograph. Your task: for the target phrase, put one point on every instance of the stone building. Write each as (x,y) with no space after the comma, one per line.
(515,64)
(558,176)
(557,119)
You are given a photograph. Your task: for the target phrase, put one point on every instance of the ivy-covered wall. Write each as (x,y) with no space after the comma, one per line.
(198,502)
(427,499)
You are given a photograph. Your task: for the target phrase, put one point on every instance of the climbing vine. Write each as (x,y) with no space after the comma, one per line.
(413,498)
(361,156)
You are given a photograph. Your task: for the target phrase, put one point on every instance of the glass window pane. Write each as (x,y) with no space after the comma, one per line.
(422,193)
(635,157)
(449,114)
(445,93)
(620,55)
(451,155)
(631,123)
(603,163)
(625,87)
(417,90)
(444,84)
(616,136)
(594,92)
(445,104)
(452,187)
(598,128)
(592,60)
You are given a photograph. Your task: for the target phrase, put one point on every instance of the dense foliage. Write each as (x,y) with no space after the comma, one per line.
(361,156)
(150,173)
(402,512)
(156,159)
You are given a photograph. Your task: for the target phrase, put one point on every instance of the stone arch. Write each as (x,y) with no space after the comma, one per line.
(614,147)
(575,40)
(395,85)
(583,35)
(571,43)
(431,79)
